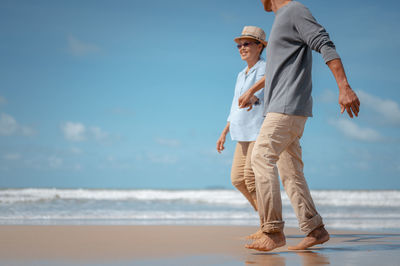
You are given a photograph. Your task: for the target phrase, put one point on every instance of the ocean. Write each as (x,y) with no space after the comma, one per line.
(341,209)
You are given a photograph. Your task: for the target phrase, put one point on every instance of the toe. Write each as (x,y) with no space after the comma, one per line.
(248,246)
(295,248)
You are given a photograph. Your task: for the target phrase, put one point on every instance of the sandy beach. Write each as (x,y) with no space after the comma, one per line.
(183,245)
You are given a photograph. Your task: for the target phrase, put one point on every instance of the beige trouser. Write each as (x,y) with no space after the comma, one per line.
(242,176)
(279,139)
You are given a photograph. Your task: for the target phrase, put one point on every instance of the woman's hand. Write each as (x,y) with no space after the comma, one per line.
(220,143)
(221,140)
(245,100)
(248,99)
(253,100)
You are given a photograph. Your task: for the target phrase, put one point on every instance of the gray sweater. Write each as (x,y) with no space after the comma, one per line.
(288,82)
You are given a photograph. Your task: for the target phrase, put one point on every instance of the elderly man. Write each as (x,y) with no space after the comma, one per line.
(288,104)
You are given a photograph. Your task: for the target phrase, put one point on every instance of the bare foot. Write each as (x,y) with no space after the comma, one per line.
(256,235)
(268,242)
(317,236)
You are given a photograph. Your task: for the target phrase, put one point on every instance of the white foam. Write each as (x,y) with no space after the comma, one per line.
(377,198)
(193,217)
(195,196)
(223,197)
(339,209)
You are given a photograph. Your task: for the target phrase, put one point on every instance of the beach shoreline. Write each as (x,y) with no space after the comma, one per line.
(217,245)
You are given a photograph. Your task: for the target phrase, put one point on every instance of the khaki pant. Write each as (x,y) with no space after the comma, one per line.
(242,176)
(279,139)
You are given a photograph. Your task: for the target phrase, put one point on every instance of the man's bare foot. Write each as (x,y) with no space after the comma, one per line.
(256,235)
(317,236)
(268,242)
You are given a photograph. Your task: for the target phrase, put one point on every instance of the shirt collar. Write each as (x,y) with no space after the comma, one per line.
(253,68)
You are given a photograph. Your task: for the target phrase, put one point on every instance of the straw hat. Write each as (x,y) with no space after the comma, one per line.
(252,32)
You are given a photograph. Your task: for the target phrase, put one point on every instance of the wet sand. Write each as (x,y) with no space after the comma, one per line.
(183,245)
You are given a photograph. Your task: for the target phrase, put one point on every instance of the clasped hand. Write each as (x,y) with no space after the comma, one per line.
(247,100)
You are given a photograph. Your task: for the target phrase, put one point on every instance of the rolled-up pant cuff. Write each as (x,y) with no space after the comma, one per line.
(310,225)
(273,227)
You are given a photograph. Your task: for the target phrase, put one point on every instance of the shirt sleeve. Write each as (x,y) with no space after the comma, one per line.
(230,113)
(313,34)
(229,119)
(260,74)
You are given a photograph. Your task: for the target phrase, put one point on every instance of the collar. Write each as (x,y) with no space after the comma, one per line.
(283,7)
(251,70)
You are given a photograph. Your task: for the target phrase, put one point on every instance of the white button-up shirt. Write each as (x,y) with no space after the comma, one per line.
(245,125)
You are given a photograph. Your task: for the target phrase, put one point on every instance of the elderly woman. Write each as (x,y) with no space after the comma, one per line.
(243,124)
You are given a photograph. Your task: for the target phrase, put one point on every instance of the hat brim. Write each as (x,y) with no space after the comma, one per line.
(250,37)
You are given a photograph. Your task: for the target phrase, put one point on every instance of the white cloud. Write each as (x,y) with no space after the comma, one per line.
(211,154)
(12,156)
(75,150)
(77,132)
(9,126)
(44,162)
(162,159)
(168,142)
(354,131)
(74,131)
(79,48)
(54,162)
(327,96)
(27,131)
(2,100)
(229,17)
(97,133)
(388,110)
(116,163)
(77,167)
(122,111)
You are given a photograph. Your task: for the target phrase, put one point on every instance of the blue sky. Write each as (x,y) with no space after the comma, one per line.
(134,94)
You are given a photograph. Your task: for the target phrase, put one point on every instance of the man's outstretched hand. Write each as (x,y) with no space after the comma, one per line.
(349,101)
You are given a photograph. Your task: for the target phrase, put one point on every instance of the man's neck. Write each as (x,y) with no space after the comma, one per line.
(277,4)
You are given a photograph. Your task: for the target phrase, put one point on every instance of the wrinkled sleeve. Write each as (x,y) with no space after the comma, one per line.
(229,119)
(313,34)
(260,74)
(230,113)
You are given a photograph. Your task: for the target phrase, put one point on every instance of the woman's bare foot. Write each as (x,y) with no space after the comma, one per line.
(317,236)
(256,235)
(268,242)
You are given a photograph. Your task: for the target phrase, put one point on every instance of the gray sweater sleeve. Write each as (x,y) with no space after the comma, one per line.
(313,34)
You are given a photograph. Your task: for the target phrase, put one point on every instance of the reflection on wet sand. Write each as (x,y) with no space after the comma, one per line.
(360,249)
(266,259)
(312,258)
(279,259)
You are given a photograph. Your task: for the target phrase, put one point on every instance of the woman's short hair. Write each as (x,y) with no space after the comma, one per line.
(262,50)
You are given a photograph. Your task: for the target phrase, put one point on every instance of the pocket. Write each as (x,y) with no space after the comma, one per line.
(300,122)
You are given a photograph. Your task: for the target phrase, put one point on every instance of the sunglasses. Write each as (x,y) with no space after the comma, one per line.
(245,44)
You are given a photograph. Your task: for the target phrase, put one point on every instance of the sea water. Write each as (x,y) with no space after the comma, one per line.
(341,209)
